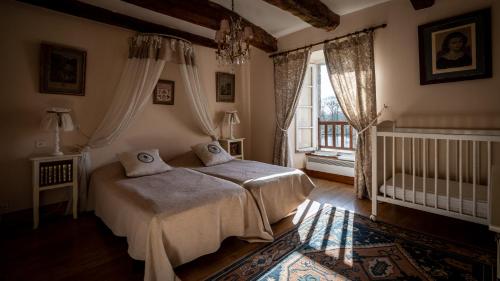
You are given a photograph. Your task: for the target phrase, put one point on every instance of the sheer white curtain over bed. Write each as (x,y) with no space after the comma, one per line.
(147,57)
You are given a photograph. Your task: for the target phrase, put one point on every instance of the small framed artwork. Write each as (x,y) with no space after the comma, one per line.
(62,70)
(225,87)
(164,92)
(455,49)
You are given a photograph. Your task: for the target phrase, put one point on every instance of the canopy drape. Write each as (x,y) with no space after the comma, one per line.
(289,72)
(147,57)
(350,64)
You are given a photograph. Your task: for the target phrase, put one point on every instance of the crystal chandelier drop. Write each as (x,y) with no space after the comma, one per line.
(233,41)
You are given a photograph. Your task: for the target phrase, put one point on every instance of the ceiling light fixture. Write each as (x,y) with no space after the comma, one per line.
(233,40)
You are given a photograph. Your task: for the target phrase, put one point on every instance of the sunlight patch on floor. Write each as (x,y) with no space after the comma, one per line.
(326,231)
(301,271)
(310,207)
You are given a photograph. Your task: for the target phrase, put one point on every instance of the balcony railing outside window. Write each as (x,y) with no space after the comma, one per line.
(336,135)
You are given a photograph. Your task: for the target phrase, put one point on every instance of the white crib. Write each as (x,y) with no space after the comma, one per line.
(446,172)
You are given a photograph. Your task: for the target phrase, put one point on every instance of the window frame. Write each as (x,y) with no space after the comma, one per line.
(315,85)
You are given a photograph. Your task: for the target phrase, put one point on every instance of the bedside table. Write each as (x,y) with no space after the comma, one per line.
(233,147)
(54,172)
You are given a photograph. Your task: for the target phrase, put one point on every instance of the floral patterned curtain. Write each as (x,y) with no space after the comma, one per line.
(289,72)
(350,64)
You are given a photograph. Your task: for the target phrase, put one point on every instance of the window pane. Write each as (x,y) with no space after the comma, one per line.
(347,138)
(322,136)
(306,96)
(338,136)
(330,108)
(304,138)
(330,135)
(304,116)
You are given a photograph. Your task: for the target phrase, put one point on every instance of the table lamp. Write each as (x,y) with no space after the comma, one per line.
(231,118)
(57,119)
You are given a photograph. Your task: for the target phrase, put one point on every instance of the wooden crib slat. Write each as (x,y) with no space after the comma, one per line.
(474,178)
(460,164)
(488,193)
(424,174)
(466,161)
(394,166)
(403,168)
(413,166)
(436,173)
(447,174)
(374,173)
(385,176)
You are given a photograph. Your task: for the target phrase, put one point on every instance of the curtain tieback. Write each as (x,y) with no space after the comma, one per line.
(278,124)
(374,119)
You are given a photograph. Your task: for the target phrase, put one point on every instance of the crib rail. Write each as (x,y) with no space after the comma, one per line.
(446,174)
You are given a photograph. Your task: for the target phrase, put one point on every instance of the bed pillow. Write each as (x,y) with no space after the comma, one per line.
(211,153)
(143,163)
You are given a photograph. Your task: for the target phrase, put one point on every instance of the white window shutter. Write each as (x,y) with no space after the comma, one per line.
(306,116)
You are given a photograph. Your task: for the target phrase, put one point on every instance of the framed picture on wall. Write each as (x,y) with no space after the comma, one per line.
(225,87)
(62,70)
(164,92)
(455,49)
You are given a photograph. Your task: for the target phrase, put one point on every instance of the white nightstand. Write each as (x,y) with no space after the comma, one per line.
(234,147)
(54,172)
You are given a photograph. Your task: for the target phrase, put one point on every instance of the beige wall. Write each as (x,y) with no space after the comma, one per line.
(169,128)
(262,105)
(466,104)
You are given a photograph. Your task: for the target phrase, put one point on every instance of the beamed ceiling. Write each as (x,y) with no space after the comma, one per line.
(197,20)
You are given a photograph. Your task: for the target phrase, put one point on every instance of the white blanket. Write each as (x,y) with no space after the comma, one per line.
(174,217)
(277,190)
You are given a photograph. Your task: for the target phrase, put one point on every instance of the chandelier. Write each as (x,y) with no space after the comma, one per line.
(233,40)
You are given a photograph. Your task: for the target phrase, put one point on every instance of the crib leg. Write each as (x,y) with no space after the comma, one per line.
(373,216)
(498,255)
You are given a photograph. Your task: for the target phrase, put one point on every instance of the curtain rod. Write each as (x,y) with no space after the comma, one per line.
(167,36)
(329,40)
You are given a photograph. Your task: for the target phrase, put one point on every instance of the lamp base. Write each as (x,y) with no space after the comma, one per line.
(57,153)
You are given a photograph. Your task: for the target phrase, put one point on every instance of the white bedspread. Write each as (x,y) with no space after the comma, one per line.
(174,217)
(277,190)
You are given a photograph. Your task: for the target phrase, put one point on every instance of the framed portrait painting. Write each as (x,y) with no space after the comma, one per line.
(164,92)
(225,87)
(455,49)
(62,70)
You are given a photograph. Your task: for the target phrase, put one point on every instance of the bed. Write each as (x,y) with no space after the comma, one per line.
(173,217)
(277,190)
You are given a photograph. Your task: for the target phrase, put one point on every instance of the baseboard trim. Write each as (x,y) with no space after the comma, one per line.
(330,177)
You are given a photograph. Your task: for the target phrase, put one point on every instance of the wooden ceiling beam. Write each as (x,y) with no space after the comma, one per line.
(207,14)
(314,12)
(422,4)
(98,14)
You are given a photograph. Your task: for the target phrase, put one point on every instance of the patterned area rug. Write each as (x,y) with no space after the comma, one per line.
(339,245)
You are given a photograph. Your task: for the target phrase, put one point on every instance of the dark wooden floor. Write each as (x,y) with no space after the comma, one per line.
(85,249)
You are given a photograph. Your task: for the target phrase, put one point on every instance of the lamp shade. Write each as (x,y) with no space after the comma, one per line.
(231,117)
(57,118)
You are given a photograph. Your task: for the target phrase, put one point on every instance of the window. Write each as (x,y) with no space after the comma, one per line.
(320,122)
(307,112)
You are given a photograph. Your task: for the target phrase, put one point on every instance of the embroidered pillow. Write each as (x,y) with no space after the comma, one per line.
(143,163)
(211,153)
